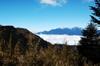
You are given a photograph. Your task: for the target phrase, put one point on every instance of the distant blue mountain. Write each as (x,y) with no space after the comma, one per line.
(68,31)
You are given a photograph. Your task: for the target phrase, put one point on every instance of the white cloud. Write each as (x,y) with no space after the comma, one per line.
(53,2)
(70,39)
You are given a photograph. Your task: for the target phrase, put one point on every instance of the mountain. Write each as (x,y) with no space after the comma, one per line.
(11,38)
(68,31)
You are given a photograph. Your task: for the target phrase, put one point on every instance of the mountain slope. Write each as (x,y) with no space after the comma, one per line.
(68,31)
(11,37)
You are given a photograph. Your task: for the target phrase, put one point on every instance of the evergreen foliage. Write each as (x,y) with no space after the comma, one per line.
(90,42)
(96,12)
(90,36)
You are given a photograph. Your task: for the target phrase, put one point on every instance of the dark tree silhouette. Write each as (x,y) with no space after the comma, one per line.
(90,36)
(90,42)
(96,12)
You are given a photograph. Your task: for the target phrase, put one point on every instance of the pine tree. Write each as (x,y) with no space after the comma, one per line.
(96,12)
(90,46)
(89,35)
(90,42)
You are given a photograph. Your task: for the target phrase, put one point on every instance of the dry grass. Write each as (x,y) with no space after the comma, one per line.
(54,55)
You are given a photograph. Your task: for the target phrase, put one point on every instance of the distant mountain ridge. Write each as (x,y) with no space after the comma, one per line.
(61,31)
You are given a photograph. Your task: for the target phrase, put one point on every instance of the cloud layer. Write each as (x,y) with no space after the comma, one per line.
(70,39)
(53,2)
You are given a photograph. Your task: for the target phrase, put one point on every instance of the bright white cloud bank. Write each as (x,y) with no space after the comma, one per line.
(53,2)
(70,39)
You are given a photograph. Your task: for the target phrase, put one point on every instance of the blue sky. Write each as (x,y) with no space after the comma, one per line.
(39,15)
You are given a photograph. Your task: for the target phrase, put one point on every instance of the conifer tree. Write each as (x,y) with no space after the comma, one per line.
(90,42)
(96,12)
(90,46)
(89,35)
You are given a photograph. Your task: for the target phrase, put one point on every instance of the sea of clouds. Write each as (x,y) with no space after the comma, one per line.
(61,39)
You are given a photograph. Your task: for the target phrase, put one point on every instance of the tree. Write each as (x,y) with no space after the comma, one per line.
(89,43)
(96,12)
(90,35)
